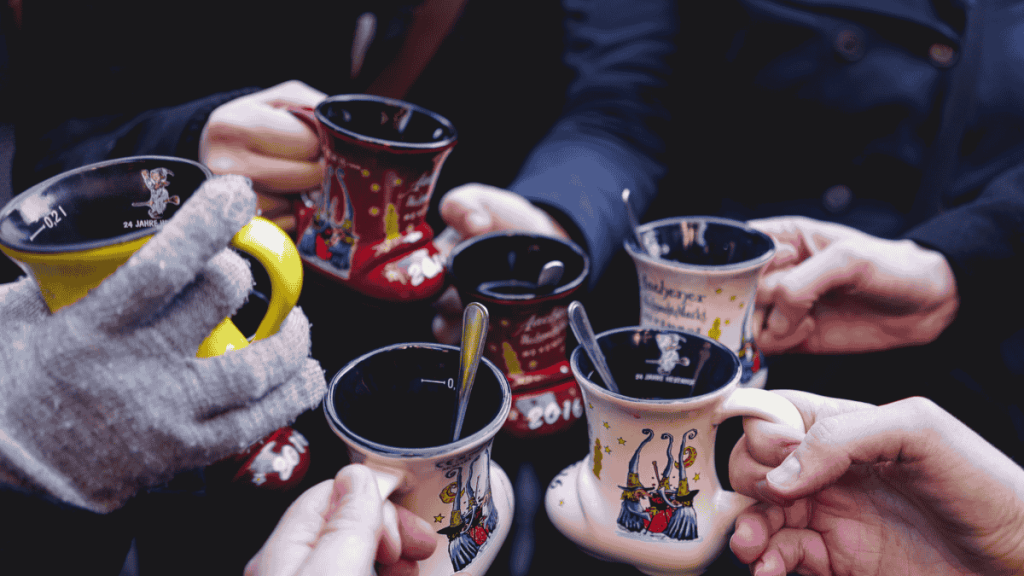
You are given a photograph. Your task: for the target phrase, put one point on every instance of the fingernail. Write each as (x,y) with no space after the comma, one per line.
(479,220)
(777,322)
(786,473)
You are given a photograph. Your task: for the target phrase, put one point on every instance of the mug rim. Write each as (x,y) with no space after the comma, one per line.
(86,246)
(607,394)
(562,290)
(479,437)
(637,254)
(435,145)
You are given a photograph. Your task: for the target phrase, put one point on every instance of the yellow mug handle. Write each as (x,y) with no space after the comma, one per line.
(275,251)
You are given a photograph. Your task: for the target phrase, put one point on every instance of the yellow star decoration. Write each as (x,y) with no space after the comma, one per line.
(590,404)
(561,502)
(398,181)
(718,291)
(365,172)
(374,210)
(621,440)
(741,304)
(608,449)
(696,476)
(607,425)
(439,518)
(732,298)
(375,187)
(727,322)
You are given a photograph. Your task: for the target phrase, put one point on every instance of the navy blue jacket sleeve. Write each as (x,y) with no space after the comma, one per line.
(610,135)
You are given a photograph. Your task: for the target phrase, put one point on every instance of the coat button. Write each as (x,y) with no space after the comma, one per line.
(942,55)
(837,198)
(850,45)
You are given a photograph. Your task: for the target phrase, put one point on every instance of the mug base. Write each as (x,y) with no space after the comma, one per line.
(564,509)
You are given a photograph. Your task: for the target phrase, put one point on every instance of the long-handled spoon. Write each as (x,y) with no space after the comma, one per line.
(474,333)
(580,325)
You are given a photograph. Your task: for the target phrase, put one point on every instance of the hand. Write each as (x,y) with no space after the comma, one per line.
(474,210)
(904,488)
(343,527)
(834,289)
(256,137)
(106,396)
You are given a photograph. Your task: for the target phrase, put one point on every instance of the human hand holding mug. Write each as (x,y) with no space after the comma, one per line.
(901,488)
(255,136)
(344,524)
(106,395)
(834,289)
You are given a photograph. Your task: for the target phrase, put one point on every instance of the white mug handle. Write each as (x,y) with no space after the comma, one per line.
(762,404)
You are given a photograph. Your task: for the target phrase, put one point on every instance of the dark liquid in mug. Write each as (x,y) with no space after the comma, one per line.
(405,398)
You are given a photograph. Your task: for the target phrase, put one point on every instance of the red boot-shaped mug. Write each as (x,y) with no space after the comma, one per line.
(367,228)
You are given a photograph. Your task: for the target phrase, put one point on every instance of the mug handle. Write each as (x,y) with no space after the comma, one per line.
(275,251)
(762,404)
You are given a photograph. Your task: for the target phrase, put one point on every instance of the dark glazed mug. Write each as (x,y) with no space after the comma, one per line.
(366,228)
(527,329)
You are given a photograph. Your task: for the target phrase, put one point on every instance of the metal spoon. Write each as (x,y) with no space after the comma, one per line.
(474,333)
(549,277)
(580,325)
(634,224)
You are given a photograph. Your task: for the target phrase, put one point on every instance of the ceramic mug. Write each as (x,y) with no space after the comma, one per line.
(699,274)
(527,328)
(647,493)
(366,228)
(75,229)
(394,409)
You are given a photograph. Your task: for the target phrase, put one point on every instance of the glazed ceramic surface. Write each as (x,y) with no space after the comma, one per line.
(74,230)
(699,274)
(366,228)
(393,408)
(648,493)
(528,327)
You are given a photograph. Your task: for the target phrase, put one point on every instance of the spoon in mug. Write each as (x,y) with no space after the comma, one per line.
(549,277)
(547,280)
(474,333)
(580,325)
(634,224)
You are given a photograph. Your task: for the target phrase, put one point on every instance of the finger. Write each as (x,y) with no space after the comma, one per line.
(296,532)
(402,567)
(349,539)
(897,431)
(270,174)
(763,446)
(22,301)
(273,378)
(418,537)
(462,209)
(262,129)
(754,528)
(794,550)
(772,342)
(447,323)
(220,288)
(202,227)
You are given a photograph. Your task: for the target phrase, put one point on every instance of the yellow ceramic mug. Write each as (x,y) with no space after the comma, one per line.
(72,231)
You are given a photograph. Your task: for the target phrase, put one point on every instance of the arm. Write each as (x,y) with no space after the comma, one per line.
(607,138)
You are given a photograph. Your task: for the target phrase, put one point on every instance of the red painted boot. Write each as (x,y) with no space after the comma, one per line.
(367,227)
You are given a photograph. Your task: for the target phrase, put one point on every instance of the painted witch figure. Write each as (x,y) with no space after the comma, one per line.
(683,523)
(462,549)
(659,509)
(633,517)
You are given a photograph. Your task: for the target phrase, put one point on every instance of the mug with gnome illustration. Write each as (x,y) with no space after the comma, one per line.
(648,494)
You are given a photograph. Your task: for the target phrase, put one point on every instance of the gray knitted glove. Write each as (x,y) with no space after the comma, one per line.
(106,396)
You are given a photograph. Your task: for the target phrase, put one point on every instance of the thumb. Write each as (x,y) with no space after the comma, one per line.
(349,539)
(895,433)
